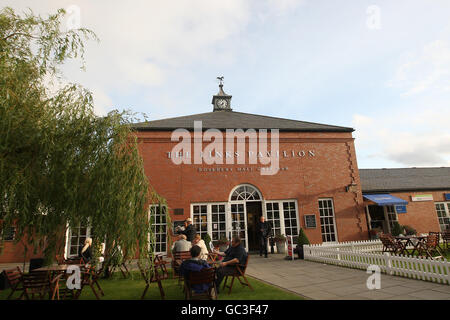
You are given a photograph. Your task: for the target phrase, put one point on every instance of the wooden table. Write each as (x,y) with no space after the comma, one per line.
(60,271)
(58,267)
(408,240)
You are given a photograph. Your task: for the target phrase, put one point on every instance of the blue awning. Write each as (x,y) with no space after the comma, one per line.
(385,199)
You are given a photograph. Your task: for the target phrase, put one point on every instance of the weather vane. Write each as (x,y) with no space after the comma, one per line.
(220,80)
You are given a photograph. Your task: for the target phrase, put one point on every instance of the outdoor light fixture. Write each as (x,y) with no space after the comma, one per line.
(352,187)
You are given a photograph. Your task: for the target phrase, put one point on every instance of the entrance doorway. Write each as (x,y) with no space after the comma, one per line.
(382,217)
(254,212)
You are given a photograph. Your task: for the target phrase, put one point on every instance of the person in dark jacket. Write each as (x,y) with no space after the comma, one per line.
(86,251)
(235,254)
(194,264)
(264,230)
(189,230)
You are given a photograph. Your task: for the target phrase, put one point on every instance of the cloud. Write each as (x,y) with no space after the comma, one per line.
(146,43)
(411,136)
(424,70)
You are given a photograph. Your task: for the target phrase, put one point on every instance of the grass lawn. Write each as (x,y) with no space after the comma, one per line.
(119,288)
(445,253)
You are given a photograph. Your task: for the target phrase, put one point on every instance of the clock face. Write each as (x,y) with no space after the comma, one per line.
(222,103)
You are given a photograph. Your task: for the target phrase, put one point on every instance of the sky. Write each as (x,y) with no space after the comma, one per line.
(381,67)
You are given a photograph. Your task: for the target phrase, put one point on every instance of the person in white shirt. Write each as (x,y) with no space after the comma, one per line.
(181,245)
(198,241)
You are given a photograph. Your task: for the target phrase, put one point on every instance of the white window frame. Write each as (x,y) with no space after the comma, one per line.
(281,209)
(154,225)
(334,219)
(209,216)
(446,205)
(228,217)
(387,215)
(67,254)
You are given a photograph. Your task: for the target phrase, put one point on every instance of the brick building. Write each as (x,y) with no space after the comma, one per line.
(418,197)
(317,186)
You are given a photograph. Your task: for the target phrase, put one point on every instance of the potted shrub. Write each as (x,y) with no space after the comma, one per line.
(207,239)
(302,240)
(374,233)
(396,229)
(409,231)
(222,243)
(280,240)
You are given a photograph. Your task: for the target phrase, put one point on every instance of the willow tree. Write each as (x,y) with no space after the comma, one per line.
(60,164)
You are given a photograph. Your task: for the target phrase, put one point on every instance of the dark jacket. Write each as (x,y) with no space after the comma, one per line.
(236,252)
(87,255)
(189,232)
(190,265)
(264,229)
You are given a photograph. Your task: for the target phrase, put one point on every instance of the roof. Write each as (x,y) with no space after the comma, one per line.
(405,179)
(236,120)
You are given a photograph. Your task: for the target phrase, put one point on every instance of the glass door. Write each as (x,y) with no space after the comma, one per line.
(239,222)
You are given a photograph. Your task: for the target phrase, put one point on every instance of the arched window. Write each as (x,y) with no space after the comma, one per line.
(245,193)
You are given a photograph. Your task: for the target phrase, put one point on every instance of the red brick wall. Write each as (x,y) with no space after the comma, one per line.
(421,215)
(307,179)
(15,253)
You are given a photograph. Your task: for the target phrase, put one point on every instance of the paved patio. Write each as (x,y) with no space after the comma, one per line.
(314,280)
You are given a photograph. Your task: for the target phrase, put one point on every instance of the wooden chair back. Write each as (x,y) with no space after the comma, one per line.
(387,241)
(14,276)
(36,282)
(205,276)
(432,240)
(182,255)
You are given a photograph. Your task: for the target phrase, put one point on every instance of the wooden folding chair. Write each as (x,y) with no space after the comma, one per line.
(212,256)
(438,234)
(391,245)
(149,277)
(206,276)
(160,267)
(430,246)
(89,277)
(177,259)
(122,268)
(446,237)
(14,278)
(239,273)
(40,283)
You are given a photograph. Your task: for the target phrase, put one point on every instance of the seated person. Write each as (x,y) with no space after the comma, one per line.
(198,241)
(235,254)
(86,252)
(194,264)
(181,245)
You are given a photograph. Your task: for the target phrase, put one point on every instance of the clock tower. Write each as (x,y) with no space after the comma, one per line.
(221,101)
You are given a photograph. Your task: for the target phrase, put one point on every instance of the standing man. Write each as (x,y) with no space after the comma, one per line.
(189,230)
(264,230)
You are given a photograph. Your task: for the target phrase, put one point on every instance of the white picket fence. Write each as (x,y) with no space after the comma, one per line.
(362,254)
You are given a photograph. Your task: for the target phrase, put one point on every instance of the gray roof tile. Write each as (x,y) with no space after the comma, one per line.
(236,120)
(405,179)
